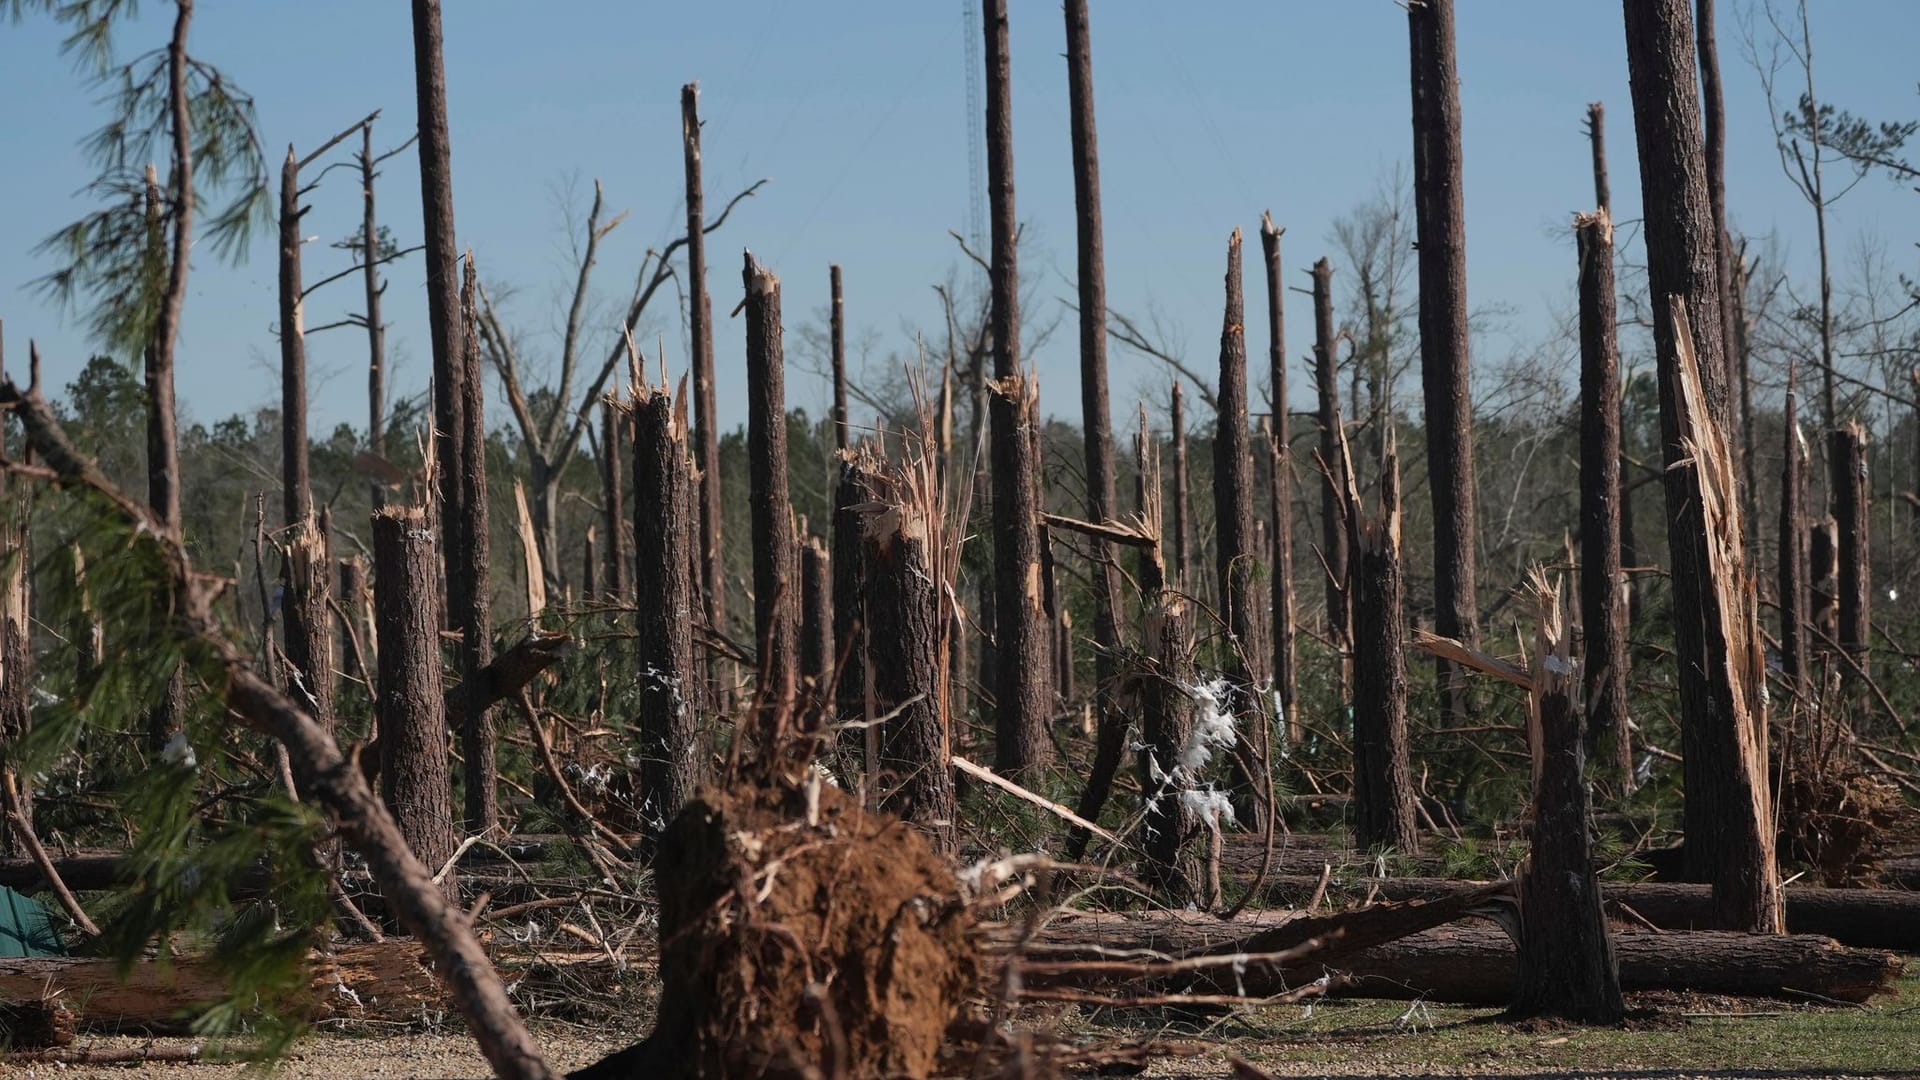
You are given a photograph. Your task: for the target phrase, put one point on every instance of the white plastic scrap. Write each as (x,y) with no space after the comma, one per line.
(1212,727)
(179,751)
(1210,806)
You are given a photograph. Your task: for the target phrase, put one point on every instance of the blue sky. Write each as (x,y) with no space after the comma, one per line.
(1208,113)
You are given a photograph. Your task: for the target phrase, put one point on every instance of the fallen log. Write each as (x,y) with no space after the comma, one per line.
(1865,918)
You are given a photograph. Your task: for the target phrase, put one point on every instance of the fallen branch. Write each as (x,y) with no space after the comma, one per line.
(979,772)
(24,830)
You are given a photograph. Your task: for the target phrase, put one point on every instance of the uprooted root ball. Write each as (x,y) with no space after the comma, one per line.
(800,936)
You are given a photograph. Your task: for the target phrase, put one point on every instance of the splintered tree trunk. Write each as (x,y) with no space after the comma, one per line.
(1182,526)
(1022,697)
(376,331)
(1728,811)
(775,598)
(352,596)
(309,621)
(1237,554)
(1111,731)
(1281,457)
(1383,810)
(1441,237)
(706,422)
(816,623)
(1713,154)
(1602,585)
(1333,527)
(471,603)
(1166,712)
(842,434)
(614,517)
(1795,659)
(1566,963)
(663,524)
(1847,451)
(855,487)
(909,666)
(1823,577)
(415,781)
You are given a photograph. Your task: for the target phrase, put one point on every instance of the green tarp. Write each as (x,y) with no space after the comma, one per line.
(27,927)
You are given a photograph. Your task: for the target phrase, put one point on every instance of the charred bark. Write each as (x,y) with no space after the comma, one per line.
(664,519)
(1333,461)
(706,423)
(909,665)
(1237,554)
(1441,237)
(416,782)
(1602,585)
(1281,459)
(1383,810)
(1022,697)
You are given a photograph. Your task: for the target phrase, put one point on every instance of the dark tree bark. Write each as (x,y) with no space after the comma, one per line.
(416,782)
(1333,527)
(842,434)
(1383,809)
(664,517)
(1727,814)
(1111,726)
(308,611)
(855,487)
(1602,585)
(776,597)
(909,666)
(1795,659)
(1852,506)
(1440,230)
(16,647)
(470,601)
(296,494)
(1567,968)
(376,330)
(816,623)
(443,285)
(706,423)
(1237,553)
(1713,152)
(613,500)
(1281,458)
(1823,577)
(1022,697)
(1166,712)
(354,603)
(1182,526)
(1597,137)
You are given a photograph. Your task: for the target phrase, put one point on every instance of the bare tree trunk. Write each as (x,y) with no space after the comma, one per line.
(1852,506)
(775,596)
(1237,554)
(376,330)
(1166,712)
(1740,356)
(590,566)
(471,603)
(1333,529)
(1713,150)
(16,643)
(1823,577)
(842,434)
(816,624)
(854,488)
(1602,585)
(1111,723)
(663,526)
(416,781)
(442,257)
(353,597)
(1566,963)
(909,666)
(1022,748)
(1441,237)
(1281,458)
(1383,808)
(1795,658)
(1182,526)
(1728,811)
(706,421)
(296,493)
(613,485)
(308,611)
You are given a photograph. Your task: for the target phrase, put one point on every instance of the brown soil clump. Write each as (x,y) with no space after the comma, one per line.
(800,937)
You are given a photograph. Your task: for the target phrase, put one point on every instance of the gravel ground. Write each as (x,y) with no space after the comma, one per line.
(339,1057)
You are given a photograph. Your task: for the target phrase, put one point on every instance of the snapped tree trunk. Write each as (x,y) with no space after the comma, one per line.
(664,518)
(308,611)
(1022,700)
(1852,506)
(471,602)
(1713,154)
(1165,671)
(1182,524)
(1603,616)
(1237,554)
(1795,659)
(1383,809)
(613,496)
(352,598)
(376,330)
(706,423)
(816,625)
(909,662)
(1823,576)
(775,597)
(1333,463)
(842,434)
(416,782)
(1728,811)
(855,487)
(1281,458)
(1441,236)
(1111,725)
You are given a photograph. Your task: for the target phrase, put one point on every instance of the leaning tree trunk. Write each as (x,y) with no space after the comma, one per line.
(1847,453)
(470,604)
(415,780)
(1281,456)
(1333,462)
(1795,659)
(1022,699)
(1567,968)
(1166,712)
(1728,811)
(1441,239)
(1383,808)
(775,596)
(665,580)
(613,500)
(910,662)
(706,422)
(1602,585)
(1237,555)
(1110,740)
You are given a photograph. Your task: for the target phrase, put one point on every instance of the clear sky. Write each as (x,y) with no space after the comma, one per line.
(1208,113)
